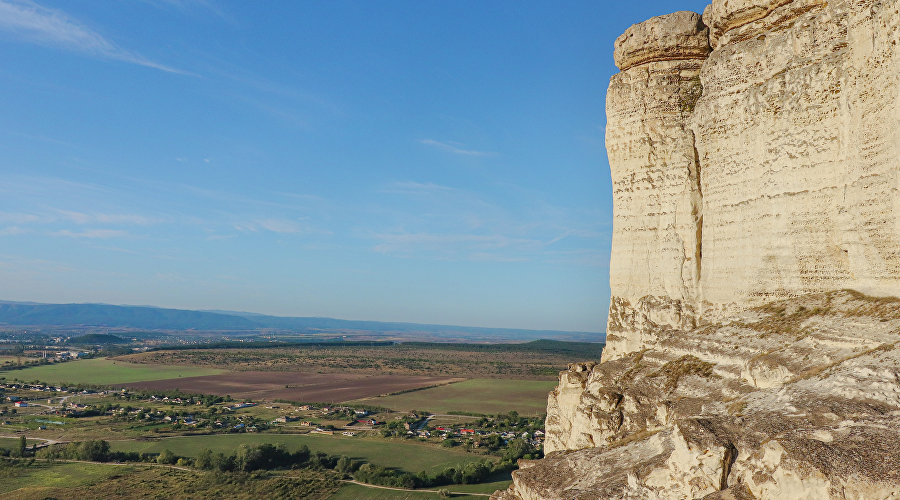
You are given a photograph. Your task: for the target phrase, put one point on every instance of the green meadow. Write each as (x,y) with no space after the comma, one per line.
(63,475)
(488,396)
(103,371)
(357,492)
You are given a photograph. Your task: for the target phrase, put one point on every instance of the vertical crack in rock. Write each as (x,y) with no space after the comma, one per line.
(697,213)
(728,460)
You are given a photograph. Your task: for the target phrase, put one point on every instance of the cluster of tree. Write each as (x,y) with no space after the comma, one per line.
(511,421)
(268,457)
(18,451)
(23,363)
(186,398)
(393,428)
(259,457)
(471,473)
(94,450)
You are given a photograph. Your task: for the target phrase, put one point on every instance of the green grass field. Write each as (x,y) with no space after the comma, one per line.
(489,396)
(41,481)
(488,488)
(102,371)
(13,443)
(411,456)
(30,480)
(356,492)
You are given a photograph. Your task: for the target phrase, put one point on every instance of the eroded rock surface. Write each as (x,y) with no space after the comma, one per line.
(797,133)
(656,203)
(752,344)
(797,399)
(754,160)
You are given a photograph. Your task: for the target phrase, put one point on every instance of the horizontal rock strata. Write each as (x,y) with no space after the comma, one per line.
(656,183)
(752,342)
(752,161)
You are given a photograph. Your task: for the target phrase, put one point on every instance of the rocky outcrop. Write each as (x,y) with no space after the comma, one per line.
(654,266)
(797,399)
(753,160)
(752,335)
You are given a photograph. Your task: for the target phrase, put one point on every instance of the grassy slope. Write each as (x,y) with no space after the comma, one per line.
(356,492)
(103,371)
(483,487)
(13,443)
(407,455)
(528,397)
(109,481)
(54,476)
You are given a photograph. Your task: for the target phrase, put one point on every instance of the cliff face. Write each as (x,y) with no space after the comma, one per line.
(755,160)
(655,259)
(763,169)
(798,134)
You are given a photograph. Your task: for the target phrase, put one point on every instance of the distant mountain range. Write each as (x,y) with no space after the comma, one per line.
(156,318)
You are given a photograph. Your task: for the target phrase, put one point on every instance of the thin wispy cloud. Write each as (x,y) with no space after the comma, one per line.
(19,218)
(281,226)
(455,148)
(18,262)
(452,245)
(92,233)
(416,188)
(434,221)
(108,218)
(57,216)
(12,231)
(27,21)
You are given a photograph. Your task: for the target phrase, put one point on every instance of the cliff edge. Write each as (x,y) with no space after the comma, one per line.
(753,326)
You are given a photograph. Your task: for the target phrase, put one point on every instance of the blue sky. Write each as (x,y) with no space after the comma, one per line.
(425,161)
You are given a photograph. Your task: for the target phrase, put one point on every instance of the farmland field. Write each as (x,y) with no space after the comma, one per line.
(103,371)
(411,456)
(528,397)
(539,360)
(293,386)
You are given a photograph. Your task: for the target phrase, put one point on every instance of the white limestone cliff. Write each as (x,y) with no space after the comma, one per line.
(763,169)
(754,325)
(655,259)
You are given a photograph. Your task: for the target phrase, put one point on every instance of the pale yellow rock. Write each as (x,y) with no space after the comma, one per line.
(756,194)
(656,197)
(782,179)
(797,135)
(681,420)
(678,36)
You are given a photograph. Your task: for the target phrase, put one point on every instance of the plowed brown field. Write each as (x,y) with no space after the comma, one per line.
(292,386)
